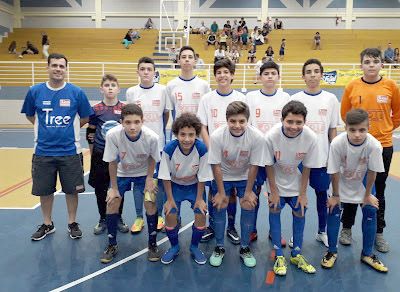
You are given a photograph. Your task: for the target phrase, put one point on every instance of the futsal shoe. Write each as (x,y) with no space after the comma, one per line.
(208,234)
(301,262)
(109,253)
(122,227)
(170,255)
(291,242)
(197,255)
(322,237)
(345,236)
(137,225)
(233,235)
(381,244)
(42,231)
(280,266)
(374,263)
(100,227)
(153,255)
(74,230)
(328,260)
(247,257)
(160,223)
(283,241)
(217,256)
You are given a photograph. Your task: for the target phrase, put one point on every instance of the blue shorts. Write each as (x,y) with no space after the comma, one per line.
(229,186)
(319,179)
(125,184)
(185,193)
(261,176)
(291,201)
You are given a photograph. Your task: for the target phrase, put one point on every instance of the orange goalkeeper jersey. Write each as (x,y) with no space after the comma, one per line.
(382,102)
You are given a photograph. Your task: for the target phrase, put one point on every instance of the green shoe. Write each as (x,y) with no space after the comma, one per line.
(247,257)
(280,266)
(302,264)
(217,256)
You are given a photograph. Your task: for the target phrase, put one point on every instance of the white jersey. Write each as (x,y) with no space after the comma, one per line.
(185,95)
(285,154)
(236,154)
(185,169)
(154,103)
(266,110)
(322,114)
(353,162)
(132,155)
(212,108)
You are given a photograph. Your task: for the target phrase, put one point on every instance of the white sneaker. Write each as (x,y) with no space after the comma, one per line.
(322,237)
(291,242)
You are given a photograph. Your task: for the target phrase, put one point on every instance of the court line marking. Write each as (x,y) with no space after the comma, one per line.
(115,265)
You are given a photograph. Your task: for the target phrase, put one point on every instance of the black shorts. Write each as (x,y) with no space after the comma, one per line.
(99,177)
(45,170)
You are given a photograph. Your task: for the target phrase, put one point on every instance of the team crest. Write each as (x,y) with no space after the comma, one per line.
(65,102)
(381,99)
(243,153)
(156,102)
(362,160)
(300,155)
(277,113)
(323,112)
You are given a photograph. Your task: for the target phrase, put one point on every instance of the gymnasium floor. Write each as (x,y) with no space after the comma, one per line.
(59,263)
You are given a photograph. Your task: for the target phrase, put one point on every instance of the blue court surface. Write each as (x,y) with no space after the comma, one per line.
(59,263)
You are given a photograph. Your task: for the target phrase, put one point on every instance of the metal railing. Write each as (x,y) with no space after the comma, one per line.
(88,74)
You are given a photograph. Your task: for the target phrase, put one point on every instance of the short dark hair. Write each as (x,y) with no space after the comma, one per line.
(109,77)
(224,63)
(185,48)
(371,52)
(294,107)
(186,120)
(131,109)
(312,61)
(146,60)
(57,56)
(269,65)
(237,108)
(356,117)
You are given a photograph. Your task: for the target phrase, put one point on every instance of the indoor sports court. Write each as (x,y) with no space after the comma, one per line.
(89,33)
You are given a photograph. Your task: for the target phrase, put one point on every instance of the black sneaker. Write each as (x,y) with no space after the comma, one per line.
(233,235)
(122,227)
(42,231)
(109,254)
(208,235)
(154,254)
(74,231)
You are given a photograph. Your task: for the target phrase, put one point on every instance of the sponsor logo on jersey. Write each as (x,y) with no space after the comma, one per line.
(381,99)
(300,155)
(196,95)
(141,155)
(243,153)
(65,102)
(156,102)
(46,102)
(323,112)
(55,121)
(117,112)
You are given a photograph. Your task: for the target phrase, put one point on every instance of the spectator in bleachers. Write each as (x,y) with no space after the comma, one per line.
(389,54)
(135,35)
(199,62)
(245,38)
(211,40)
(214,27)
(242,22)
(256,37)
(203,29)
(278,24)
(265,33)
(29,50)
(12,48)
(173,54)
(227,28)
(45,45)
(234,38)
(219,54)
(251,56)
(317,41)
(223,38)
(127,41)
(258,67)
(149,24)
(396,58)
(235,24)
(235,55)
(269,53)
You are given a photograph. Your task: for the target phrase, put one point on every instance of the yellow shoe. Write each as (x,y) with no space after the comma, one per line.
(375,263)
(328,260)
(301,262)
(280,266)
(137,225)
(160,223)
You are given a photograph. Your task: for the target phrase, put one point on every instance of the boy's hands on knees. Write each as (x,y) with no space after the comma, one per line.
(150,186)
(371,200)
(302,201)
(201,205)
(332,202)
(273,200)
(169,205)
(251,198)
(219,200)
(111,195)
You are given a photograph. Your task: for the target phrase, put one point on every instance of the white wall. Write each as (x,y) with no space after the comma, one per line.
(58,22)
(6,20)
(376,23)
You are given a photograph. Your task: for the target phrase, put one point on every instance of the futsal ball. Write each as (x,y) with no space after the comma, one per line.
(108,126)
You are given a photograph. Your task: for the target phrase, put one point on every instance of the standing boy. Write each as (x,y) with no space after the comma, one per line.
(132,152)
(236,152)
(289,145)
(354,159)
(155,104)
(184,170)
(322,118)
(380,97)
(107,114)
(212,114)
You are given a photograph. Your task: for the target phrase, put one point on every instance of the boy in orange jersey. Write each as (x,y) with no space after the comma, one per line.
(380,97)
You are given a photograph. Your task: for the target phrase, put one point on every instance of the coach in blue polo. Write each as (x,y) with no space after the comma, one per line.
(57,110)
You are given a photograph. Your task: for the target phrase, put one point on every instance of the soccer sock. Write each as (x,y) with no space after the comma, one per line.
(256,214)
(298,229)
(160,198)
(275,231)
(333,223)
(368,229)
(112,222)
(211,214)
(231,214)
(138,197)
(152,227)
(246,226)
(322,210)
(197,233)
(101,196)
(172,234)
(219,224)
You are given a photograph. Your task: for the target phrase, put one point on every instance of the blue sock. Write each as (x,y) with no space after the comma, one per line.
(322,210)
(368,229)
(333,228)
(256,214)
(246,226)
(211,214)
(219,224)
(196,236)
(152,227)
(231,214)
(298,229)
(172,235)
(275,231)
(138,197)
(112,223)
(160,199)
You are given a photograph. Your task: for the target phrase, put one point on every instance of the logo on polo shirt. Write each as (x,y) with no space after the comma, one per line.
(381,99)
(65,102)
